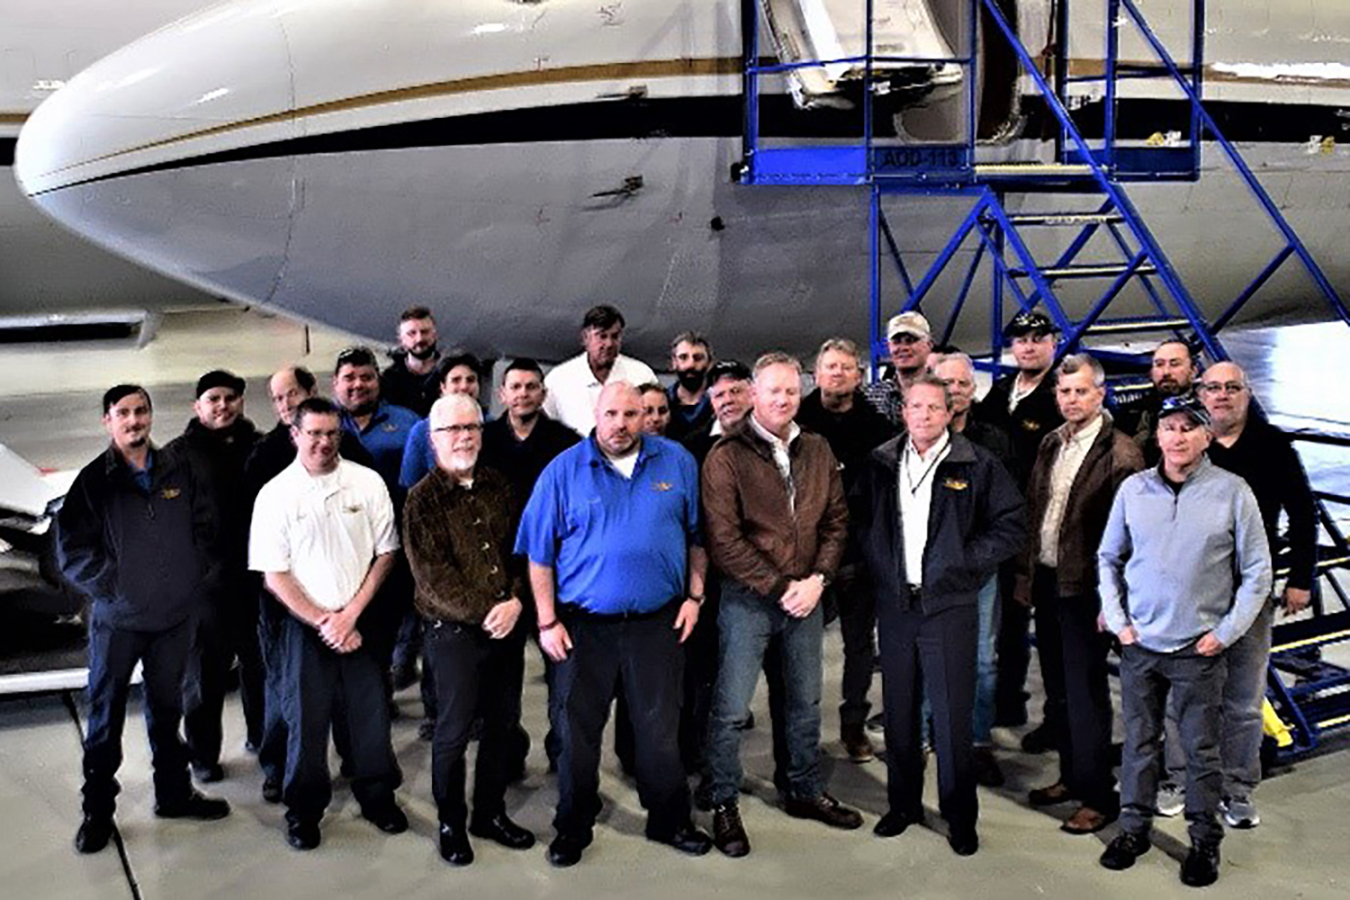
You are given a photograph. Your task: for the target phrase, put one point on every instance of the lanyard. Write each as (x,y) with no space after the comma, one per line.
(915,486)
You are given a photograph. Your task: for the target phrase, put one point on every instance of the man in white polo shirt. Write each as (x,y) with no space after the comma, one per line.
(574,386)
(323,536)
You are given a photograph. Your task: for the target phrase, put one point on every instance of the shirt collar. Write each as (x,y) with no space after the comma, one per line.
(934,451)
(647,448)
(793,431)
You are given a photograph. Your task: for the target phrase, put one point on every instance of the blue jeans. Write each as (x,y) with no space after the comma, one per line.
(986,670)
(747,622)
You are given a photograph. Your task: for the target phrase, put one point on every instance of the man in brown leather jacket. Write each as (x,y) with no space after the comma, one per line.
(777,523)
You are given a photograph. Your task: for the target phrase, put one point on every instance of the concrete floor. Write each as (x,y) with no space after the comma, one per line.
(48,413)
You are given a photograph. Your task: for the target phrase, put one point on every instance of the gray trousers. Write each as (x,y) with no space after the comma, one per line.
(1243,693)
(1195,686)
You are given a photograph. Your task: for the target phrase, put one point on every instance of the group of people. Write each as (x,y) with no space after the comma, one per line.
(664,546)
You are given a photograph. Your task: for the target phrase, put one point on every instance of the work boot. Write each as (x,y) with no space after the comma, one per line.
(728,832)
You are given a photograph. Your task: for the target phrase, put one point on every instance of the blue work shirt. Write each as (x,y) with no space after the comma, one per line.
(419,456)
(384,437)
(616,545)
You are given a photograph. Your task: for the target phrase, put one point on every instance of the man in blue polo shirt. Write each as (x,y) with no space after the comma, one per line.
(612,536)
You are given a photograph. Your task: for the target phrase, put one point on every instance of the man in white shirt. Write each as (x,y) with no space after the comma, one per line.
(935,515)
(574,386)
(323,536)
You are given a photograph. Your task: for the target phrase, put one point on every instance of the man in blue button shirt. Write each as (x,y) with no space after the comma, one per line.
(612,536)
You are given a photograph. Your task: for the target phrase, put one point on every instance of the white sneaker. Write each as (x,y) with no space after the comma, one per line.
(1240,813)
(1171,800)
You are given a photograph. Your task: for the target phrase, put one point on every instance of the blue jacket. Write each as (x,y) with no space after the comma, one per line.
(144,559)
(1179,564)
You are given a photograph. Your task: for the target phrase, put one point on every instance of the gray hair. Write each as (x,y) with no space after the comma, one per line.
(1076,362)
(777,358)
(446,407)
(932,381)
(937,359)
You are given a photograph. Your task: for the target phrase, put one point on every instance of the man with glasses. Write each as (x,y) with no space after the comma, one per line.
(1250,447)
(457,525)
(910,340)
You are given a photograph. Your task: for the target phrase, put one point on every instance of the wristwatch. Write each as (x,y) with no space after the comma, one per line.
(824,579)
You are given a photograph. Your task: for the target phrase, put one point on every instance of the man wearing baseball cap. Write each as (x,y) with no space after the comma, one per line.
(910,340)
(1184,569)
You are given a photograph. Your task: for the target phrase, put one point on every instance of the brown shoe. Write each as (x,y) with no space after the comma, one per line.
(823,808)
(728,832)
(1086,820)
(857,744)
(1048,796)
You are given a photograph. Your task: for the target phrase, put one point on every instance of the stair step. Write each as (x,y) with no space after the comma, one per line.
(1066,219)
(1114,270)
(1020,169)
(1131,326)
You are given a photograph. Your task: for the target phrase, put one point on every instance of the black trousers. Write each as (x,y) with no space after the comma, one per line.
(226,630)
(646,656)
(472,676)
(1050,651)
(1084,736)
(317,679)
(113,654)
(935,653)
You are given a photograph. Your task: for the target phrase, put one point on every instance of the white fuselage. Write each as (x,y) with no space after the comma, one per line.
(339,160)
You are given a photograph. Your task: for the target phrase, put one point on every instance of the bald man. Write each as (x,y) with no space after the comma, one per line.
(612,534)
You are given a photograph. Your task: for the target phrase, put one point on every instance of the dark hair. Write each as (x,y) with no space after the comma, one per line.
(305,378)
(523,364)
(454,360)
(415,312)
(602,317)
(356,356)
(1190,350)
(693,338)
(650,386)
(116,394)
(314,406)
(728,368)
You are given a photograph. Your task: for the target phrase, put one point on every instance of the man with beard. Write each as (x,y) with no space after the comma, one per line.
(288,388)
(910,340)
(837,411)
(219,440)
(574,386)
(410,381)
(1023,405)
(135,536)
(457,526)
(612,535)
(1172,372)
(690,408)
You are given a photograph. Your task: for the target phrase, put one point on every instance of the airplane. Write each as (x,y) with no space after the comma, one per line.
(512,162)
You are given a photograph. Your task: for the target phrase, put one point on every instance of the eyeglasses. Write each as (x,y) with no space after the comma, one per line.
(473,428)
(1227,387)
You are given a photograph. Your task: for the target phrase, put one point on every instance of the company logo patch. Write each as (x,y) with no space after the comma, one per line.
(169,493)
(1031,425)
(955,484)
(662,485)
(390,427)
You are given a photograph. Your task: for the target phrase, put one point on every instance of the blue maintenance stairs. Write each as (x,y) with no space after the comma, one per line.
(1083,186)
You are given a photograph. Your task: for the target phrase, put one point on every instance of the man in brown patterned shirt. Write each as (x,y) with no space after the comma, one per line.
(457,526)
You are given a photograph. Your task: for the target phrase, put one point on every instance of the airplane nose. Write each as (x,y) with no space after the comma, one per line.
(178,92)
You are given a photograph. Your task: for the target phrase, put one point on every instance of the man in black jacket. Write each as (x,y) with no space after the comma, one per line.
(837,411)
(219,440)
(1023,405)
(413,378)
(135,536)
(935,516)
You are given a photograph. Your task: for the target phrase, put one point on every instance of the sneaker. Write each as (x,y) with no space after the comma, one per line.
(1239,813)
(1201,867)
(1171,800)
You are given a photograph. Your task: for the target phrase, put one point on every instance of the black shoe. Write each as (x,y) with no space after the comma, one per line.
(303,835)
(703,797)
(893,824)
(728,832)
(404,677)
(94,834)
(1050,794)
(825,809)
(566,850)
(988,773)
(1124,850)
(194,806)
(1201,867)
(502,830)
(253,745)
(387,817)
(271,790)
(1038,739)
(455,847)
(963,841)
(208,773)
(687,839)
(426,730)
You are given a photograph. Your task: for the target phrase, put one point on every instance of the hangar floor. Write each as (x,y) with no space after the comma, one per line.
(50,416)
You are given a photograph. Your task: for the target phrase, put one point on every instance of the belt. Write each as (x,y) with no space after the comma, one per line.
(574,612)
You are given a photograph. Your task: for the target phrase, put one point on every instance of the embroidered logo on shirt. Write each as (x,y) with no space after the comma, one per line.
(390,427)
(170,493)
(1031,425)
(352,509)
(662,485)
(955,484)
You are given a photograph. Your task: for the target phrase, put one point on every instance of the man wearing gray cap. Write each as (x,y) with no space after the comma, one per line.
(1184,569)
(910,341)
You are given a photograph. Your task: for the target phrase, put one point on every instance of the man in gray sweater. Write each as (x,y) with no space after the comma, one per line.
(1184,569)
